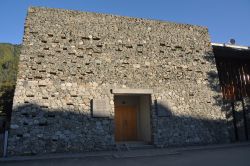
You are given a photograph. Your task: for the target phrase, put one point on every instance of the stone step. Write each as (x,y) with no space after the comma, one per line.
(126,146)
(140,146)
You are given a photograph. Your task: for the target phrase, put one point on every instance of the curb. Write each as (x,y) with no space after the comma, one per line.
(215,147)
(125,154)
(52,156)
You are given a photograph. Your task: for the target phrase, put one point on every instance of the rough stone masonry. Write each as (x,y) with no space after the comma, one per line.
(70,59)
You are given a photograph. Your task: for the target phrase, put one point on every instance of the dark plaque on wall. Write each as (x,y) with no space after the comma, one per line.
(100,108)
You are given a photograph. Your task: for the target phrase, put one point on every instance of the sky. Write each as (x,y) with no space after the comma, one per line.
(225,19)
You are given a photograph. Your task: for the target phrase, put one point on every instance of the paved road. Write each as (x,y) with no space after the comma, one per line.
(237,156)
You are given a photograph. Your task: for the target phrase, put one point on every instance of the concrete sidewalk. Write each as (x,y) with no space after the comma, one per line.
(123,154)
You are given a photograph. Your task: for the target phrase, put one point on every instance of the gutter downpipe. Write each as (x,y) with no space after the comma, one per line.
(6,133)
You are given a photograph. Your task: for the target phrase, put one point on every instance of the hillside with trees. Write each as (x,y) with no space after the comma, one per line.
(9,56)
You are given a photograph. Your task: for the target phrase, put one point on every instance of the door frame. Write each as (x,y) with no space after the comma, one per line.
(150,113)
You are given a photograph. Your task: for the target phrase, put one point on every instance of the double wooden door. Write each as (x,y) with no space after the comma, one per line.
(125,123)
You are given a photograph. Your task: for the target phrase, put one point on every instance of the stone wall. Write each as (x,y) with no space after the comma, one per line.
(70,58)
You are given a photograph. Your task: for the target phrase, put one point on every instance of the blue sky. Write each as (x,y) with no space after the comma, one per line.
(225,19)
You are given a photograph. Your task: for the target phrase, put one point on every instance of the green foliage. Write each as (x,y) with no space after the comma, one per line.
(9,56)
(6,100)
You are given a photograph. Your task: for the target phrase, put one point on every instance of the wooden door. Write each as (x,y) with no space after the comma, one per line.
(125,123)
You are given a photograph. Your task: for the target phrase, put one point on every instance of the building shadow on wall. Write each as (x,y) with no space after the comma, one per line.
(226,109)
(180,130)
(36,129)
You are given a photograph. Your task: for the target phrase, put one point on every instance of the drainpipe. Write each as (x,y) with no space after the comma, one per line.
(6,133)
(245,120)
(234,122)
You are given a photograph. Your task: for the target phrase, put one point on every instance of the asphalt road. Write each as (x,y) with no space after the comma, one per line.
(237,156)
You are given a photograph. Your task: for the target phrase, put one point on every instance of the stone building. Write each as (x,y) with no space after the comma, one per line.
(90,81)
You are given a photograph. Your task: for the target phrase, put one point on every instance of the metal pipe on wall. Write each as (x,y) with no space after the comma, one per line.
(6,133)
